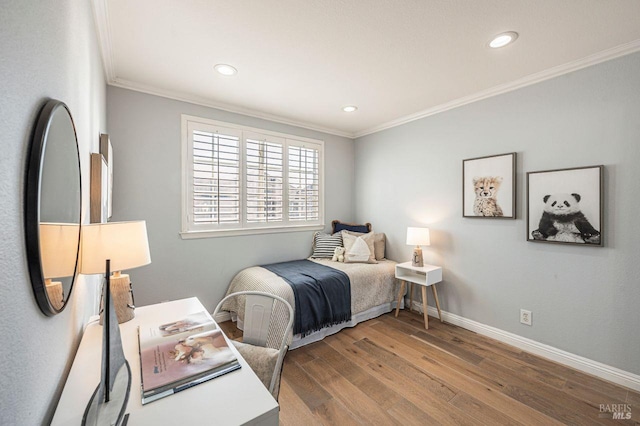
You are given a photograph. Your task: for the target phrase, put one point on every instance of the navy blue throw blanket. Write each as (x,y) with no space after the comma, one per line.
(322,294)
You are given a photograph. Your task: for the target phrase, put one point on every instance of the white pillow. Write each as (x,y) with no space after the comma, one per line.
(359,249)
(379,242)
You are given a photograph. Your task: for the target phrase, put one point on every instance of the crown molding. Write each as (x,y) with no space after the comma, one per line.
(603,56)
(198,100)
(103,31)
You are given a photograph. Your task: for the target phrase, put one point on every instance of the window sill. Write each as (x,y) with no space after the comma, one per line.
(191,235)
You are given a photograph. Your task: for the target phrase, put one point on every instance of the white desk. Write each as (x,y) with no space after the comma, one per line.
(425,276)
(237,398)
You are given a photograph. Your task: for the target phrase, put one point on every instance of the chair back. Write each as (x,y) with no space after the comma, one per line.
(260,314)
(258,311)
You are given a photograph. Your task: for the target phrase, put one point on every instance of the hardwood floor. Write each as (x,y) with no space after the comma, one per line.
(392,371)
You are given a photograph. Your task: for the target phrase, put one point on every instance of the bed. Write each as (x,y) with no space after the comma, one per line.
(373,293)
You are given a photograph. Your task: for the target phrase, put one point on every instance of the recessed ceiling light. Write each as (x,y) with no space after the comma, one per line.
(503,39)
(349,108)
(225,69)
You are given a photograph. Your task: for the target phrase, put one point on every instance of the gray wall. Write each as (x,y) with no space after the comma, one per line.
(145,132)
(584,300)
(48,50)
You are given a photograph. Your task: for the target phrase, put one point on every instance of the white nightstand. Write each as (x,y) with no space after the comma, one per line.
(425,276)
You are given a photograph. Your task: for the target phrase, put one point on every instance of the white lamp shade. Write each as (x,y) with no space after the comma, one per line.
(125,244)
(59,249)
(418,237)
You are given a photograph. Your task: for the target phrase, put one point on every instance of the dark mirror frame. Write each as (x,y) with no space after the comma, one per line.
(33,188)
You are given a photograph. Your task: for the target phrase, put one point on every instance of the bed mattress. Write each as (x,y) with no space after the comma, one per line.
(373,293)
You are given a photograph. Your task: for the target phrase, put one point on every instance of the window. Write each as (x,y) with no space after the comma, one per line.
(265,180)
(304,185)
(240,180)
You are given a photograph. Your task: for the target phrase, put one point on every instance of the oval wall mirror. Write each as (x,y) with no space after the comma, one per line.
(53,205)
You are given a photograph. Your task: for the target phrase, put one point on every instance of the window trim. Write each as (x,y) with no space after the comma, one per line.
(245,228)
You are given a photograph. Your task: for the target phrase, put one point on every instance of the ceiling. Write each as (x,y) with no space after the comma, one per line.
(300,62)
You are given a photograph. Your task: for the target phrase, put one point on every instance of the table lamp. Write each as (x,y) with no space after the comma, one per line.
(418,237)
(59,255)
(121,245)
(127,246)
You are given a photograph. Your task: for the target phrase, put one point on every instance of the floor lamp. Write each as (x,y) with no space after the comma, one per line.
(106,247)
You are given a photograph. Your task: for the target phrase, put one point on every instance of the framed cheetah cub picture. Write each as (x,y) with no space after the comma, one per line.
(565,206)
(489,187)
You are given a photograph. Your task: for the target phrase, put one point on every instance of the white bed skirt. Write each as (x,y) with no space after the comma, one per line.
(316,336)
(373,293)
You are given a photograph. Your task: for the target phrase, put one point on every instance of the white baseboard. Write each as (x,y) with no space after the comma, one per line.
(595,368)
(222,316)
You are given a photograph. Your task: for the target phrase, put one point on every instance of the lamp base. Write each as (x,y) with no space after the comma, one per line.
(99,412)
(122,295)
(55,293)
(417,260)
(108,403)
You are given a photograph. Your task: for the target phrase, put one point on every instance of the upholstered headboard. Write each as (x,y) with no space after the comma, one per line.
(337,226)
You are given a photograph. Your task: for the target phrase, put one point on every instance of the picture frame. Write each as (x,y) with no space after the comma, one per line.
(98,193)
(565,206)
(107,152)
(489,187)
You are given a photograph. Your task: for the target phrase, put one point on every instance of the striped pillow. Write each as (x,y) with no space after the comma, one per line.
(325,245)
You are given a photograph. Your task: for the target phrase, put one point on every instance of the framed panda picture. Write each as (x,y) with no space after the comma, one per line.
(566,206)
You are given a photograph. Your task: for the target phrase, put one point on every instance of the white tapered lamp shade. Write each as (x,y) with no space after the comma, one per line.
(58,256)
(59,249)
(418,237)
(126,245)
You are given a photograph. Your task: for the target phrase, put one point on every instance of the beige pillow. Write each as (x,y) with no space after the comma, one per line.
(379,242)
(359,248)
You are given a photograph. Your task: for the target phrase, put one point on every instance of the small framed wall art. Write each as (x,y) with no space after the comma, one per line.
(99,189)
(107,152)
(101,194)
(489,186)
(565,206)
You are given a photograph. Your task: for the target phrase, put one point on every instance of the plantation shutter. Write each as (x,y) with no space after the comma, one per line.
(264,178)
(215,171)
(304,182)
(240,180)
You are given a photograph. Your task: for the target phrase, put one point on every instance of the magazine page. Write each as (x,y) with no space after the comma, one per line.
(178,329)
(169,362)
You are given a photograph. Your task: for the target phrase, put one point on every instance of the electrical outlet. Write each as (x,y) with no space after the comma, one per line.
(525,317)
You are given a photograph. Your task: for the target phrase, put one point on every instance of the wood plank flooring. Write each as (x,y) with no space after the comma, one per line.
(392,371)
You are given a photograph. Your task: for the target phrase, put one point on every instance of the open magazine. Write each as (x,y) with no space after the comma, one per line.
(200,321)
(179,355)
